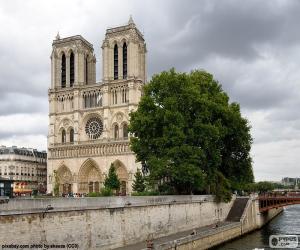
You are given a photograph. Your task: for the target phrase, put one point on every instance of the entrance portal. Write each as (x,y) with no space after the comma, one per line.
(89,177)
(65,180)
(123,177)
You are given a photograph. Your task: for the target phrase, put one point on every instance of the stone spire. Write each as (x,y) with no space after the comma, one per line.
(57,36)
(130,20)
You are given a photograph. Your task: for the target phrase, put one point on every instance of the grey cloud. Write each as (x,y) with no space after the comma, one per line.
(15,103)
(225,28)
(15,125)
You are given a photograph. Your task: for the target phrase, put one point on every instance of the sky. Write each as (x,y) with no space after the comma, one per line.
(251,47)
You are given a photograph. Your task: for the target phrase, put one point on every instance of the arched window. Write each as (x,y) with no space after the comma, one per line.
(114,97)
(63,136)
(63,71)
(116,62)
(72,135)
(72,67)
(85,102)
(125,131)
(86,70)
(124,61)
(116,131)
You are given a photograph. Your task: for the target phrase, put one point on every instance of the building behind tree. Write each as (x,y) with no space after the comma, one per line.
(26,167)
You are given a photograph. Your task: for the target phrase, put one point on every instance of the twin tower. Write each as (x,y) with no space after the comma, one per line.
(88,121)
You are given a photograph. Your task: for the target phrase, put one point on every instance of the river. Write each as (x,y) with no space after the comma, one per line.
(288,222)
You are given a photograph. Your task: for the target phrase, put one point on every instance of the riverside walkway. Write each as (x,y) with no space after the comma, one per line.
(164,242)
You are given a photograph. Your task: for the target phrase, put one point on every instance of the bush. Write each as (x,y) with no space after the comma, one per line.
(106,192)
(94,194)
(145,193)
(166,189)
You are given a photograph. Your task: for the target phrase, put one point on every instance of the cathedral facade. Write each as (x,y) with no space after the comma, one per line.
(88,120)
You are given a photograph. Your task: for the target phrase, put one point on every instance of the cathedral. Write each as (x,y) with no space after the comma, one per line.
(88,120)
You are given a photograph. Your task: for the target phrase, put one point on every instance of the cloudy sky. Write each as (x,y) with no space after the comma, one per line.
(251,47)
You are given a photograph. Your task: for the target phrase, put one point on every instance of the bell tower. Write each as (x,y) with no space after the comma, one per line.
(124,53)
(72,62)
(73,66)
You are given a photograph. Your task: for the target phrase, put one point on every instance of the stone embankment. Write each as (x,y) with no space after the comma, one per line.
(170,222)
(105,222)
(242,218)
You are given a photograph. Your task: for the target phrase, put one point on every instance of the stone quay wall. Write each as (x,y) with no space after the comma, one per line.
(104,222)
(251,220)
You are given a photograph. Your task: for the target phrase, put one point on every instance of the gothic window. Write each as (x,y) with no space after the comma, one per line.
(63,71)
(63,136)
(116,62)
(125,131)
(92,100)
(94,128)
(86,101)
(124,61)
(72,73)
(99,100)
(116,131)
(72,135)
(86,70)
(114,97)
(123,95)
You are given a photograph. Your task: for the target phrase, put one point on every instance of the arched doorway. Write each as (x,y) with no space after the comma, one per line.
(65,180)
(89,177)
(123,177)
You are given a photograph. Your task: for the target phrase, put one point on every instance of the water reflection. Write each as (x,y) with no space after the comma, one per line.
(287,222)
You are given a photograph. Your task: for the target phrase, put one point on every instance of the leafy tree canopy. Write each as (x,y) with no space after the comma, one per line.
(139,182)
(112,181)
(263,186)
(187,134)
(56,183)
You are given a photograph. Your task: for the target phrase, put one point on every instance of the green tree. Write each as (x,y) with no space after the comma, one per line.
(264,186)
(112,181)
(188,135)
(56,184)
(138,184)
(221,188)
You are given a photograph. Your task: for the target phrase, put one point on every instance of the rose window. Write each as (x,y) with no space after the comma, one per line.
(94,128)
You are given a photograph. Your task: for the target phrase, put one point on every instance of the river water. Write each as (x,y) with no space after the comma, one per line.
(288,222)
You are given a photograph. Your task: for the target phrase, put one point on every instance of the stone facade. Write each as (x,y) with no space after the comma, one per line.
(26,167)
(88,120)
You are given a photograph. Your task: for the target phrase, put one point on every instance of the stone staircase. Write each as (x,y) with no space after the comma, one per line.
(237,209)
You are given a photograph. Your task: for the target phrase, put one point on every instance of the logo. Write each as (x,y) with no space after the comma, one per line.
(283,241)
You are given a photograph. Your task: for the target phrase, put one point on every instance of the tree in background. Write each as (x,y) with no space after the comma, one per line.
(188,135)
(138,184)
(56,184)
(261,187)
(112,181)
